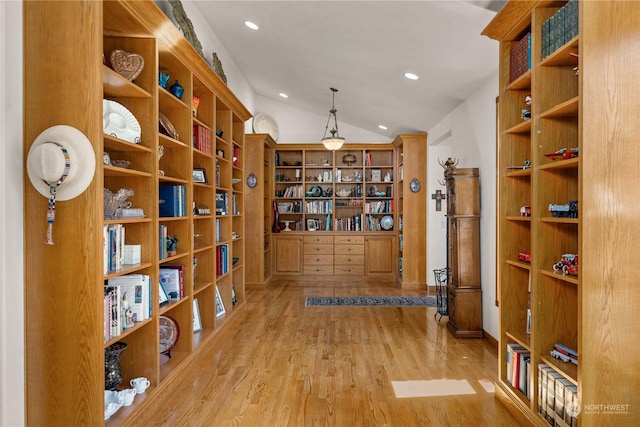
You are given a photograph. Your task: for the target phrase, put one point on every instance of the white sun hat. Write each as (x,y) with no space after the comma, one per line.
(61,164)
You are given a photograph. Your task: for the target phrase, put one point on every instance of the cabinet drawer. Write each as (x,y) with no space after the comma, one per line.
(318,249)
(318,239)
(349,270)
(349,240)
(349,249)
(314,259)
(348,259)
(318,270)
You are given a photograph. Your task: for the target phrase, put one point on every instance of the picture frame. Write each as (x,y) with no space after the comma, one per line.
(200,175)
(197,321)
(220,311)
(164,299)
(312,225)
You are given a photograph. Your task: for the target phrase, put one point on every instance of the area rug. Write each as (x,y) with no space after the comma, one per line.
(371,301)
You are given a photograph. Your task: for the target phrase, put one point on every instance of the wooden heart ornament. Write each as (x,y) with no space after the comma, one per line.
(129,65)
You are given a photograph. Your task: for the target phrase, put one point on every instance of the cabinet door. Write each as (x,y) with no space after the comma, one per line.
(288,254)
(379,255)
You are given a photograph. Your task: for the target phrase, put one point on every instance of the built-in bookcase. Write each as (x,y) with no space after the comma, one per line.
(199,152)
(583,109)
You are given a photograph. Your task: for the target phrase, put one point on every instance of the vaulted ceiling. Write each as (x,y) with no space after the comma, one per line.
(362,48)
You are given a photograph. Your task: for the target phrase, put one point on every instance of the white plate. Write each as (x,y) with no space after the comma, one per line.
(263,123)
(119,122)
(386,222)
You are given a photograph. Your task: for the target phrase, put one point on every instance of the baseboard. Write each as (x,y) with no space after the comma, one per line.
(491,342)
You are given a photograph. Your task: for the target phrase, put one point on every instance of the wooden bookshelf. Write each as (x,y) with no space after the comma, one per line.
(64,292)
(595,110)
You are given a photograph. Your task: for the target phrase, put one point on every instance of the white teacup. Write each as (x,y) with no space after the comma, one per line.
(140,384)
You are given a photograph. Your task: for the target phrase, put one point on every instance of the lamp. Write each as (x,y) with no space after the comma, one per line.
(333,142)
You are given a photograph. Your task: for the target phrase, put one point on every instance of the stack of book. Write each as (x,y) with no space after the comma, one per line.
(222,260)
(113,247)
(127,300)
(519,368)
(172,201)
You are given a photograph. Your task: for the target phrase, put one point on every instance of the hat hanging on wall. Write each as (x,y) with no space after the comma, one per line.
(61,164)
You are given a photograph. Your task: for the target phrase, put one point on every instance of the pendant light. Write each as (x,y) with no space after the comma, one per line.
(333,142)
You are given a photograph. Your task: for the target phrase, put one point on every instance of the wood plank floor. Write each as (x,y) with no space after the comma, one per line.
(278,363)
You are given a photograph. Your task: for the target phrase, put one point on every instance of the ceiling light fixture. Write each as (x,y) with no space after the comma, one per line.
(283,95)
(333,142)
(251,25)
(411,76)
(383,127)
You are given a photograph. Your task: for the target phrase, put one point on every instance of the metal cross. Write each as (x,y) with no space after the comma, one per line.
(438,197)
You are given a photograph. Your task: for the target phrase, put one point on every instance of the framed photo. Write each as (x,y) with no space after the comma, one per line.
(376,175)
(164,299)
(312,225)
(220,311)
(197,322)
(199,175)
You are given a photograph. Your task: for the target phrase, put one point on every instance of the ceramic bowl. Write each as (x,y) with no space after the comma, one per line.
(343,193)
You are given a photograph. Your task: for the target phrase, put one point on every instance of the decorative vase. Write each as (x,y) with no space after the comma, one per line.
(163,79)
(176,89)
(112,370)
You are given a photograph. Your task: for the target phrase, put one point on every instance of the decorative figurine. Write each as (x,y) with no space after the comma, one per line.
(172,246)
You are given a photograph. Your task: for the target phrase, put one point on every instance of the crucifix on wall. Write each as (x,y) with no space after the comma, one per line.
(438,197)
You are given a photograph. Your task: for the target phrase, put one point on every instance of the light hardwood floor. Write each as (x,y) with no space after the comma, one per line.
(279,363)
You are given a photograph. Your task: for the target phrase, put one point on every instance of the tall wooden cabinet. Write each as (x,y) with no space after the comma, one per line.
(64,290)
(584,96)
(464,293)
(411,158)
(259,208)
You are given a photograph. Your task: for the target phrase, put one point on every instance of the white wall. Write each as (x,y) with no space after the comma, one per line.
(11,221)
(473,142)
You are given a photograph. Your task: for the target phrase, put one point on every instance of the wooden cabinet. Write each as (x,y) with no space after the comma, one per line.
(594,110)
(67,291)
(464,294)
(288,254)
(380,255)
(259,208)
(411,207)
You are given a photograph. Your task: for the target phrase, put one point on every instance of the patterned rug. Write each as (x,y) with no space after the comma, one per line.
(371,301)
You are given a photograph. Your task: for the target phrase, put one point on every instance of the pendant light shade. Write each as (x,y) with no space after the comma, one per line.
(333,142)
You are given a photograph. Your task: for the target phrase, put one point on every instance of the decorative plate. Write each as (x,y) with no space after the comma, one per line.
(119,122)
(252,180)
(128,65)
(263,123)
(386,222)
(166,127)
(169,333)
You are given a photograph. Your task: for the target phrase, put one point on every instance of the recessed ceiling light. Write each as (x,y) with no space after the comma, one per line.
(383,127)
(411,76)
(284,95)
(251,25)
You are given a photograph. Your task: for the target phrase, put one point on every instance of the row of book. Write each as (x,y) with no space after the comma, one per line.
(222,260)
(127,299)
(557,398)
(172,201)
(380,206)
(113,247)
(560,28)
(373,223)
(202,138)
(319,206)
(520,57)
(165,242)
(353,223)
(222,203)
(519,369)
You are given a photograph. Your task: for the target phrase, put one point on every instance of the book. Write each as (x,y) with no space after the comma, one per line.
(170,282)
(112,294)
(172,201)
(181,277)
(135,289)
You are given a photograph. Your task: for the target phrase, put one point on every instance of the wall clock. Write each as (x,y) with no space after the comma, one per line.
(252,181)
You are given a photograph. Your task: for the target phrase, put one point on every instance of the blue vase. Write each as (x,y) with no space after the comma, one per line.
(163,79)
(176,89)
